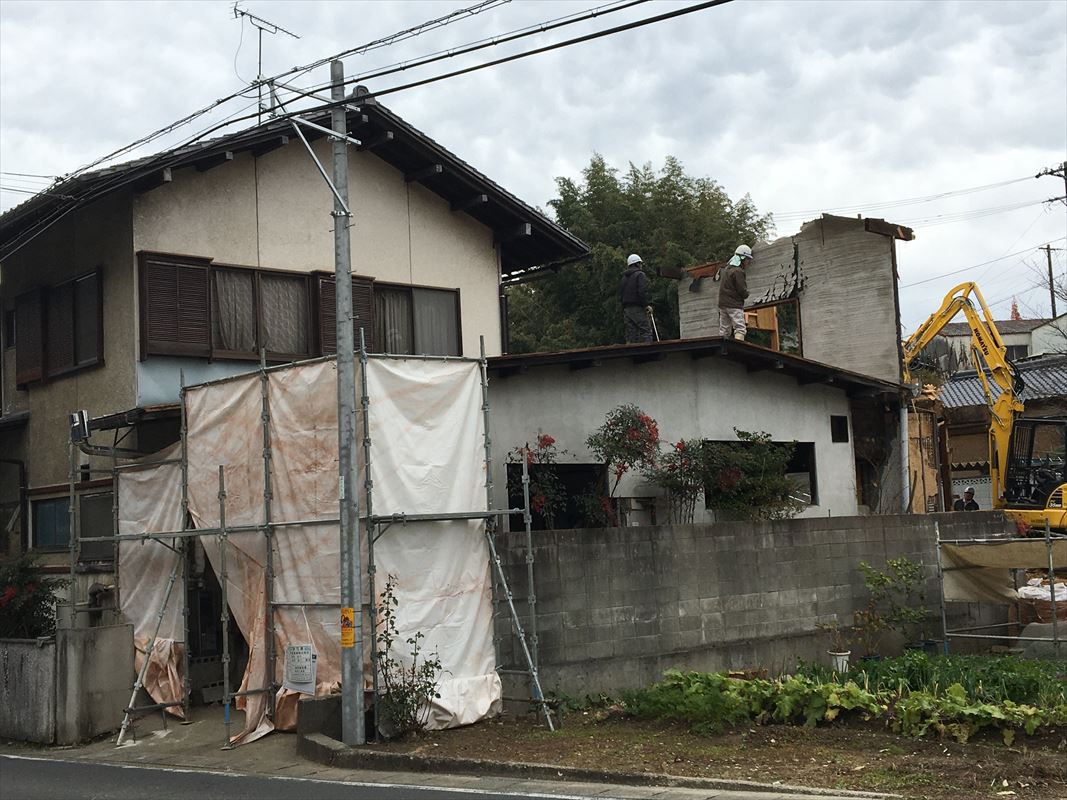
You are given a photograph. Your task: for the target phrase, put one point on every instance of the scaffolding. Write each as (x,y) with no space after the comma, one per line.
(179,542)
(1012,554)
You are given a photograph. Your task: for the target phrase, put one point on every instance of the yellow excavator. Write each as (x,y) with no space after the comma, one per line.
(1026,456)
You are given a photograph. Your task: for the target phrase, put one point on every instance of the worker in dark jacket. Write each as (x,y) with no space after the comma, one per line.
(733,290)
(633,294)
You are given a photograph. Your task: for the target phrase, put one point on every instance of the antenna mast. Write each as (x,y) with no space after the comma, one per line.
(261,25)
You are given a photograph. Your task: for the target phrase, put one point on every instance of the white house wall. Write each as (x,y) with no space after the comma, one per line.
(689,399)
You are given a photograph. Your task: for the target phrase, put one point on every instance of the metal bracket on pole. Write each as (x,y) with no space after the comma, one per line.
(344,210)
(334,136)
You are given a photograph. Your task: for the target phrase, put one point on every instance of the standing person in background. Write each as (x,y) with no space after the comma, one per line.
(733,291)
(967,503)
(633,294)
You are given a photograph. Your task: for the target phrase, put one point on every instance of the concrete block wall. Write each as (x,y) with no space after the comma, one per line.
(67,688)
(618,606)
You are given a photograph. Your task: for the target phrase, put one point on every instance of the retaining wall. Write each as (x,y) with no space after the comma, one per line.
(618,606)
(67,688)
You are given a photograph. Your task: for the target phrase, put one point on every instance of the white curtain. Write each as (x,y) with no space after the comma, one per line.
(436,325)
(392,308)
(233,310)
(285,313)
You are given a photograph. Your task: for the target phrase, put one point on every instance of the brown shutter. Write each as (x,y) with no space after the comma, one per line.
(175,306)
(29,337)
(59,347)
(326,305)
(362,312)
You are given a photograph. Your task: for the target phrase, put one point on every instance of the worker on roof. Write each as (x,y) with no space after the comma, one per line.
(733,291)
(633,294)
(967,502)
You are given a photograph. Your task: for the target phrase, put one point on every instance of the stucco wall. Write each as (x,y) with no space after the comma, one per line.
(99,236)
(616,607)
(689,399)
(847,309)
(274,212)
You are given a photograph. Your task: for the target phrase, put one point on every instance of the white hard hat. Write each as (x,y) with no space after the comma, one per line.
(744,251)
(969,489)
(632,259)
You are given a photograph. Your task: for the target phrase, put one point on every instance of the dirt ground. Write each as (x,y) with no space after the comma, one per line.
(856,756)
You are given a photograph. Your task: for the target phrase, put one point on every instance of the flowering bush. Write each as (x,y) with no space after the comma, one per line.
(628,439)
(747,478)
(547,496)
(680,473)
(27,601)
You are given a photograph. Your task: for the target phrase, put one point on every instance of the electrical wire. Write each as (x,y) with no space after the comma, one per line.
(978,213)
(162,159)
(904,202)
(29,175)
(974,266)
(35,192)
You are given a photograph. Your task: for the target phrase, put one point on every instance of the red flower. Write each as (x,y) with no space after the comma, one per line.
(680,446)
(8,596)
(529,457)
(545,441)
(537,503)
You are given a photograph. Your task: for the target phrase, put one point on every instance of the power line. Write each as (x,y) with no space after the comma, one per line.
(973,266)
(161,160)
(977,213)
(29,175)
(35,192)
(904,202)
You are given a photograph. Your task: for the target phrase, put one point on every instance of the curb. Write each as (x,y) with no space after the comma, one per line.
(330,752)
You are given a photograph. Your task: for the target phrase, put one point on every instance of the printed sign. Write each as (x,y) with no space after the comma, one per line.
(348,627)
(300,668)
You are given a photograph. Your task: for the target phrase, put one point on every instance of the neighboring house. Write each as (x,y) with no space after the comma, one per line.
(1016,333)
(192,262)
(1049,338)
(828,294)
(966,414)
(701,388)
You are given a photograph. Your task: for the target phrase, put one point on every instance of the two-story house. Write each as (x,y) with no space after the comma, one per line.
(119,283)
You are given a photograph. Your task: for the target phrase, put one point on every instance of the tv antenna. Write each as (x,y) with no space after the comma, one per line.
(260,25)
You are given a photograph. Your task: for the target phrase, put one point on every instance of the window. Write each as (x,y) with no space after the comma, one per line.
(59,329)
(582,489)
(801,470)
(95,519)
(1017,351)
(417,320)
(192,307)
(838,428)
(51,523)
(776,326)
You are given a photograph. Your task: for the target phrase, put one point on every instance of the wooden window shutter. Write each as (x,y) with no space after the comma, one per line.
(326,306)
(29,337)
(175,306)
(59,339)
(362,312)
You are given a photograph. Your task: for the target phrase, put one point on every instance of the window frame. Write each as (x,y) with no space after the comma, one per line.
(208,349)
(34,543)
(409,289)
(45,299)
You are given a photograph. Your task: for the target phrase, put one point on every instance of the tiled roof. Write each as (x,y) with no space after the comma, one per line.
(1044,377)
(530,240)
(1003,325)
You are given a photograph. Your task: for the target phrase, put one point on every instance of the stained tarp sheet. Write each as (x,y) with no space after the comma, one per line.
(149,501)
(427,456)
(981,572)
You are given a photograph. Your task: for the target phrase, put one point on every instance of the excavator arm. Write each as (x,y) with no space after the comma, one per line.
(987,352)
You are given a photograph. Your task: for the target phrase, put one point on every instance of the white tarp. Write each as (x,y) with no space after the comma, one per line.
(150,502)
(981,572)
(427,457)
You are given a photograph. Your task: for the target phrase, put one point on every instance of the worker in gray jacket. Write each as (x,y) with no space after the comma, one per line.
(633,294)
(733,291)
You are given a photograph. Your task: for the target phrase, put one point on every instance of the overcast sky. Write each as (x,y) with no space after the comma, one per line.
(806,106)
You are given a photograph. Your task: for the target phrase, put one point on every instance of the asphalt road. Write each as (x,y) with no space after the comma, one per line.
(52,779)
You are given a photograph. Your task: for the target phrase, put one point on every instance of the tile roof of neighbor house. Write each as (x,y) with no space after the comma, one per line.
(528,238)
(753,356)
(1044,377)
(1005,326)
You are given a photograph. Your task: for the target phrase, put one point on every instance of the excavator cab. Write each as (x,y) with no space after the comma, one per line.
(1036,472)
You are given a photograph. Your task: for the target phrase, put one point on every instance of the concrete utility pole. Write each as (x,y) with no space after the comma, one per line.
(352,720)
(1051,283)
